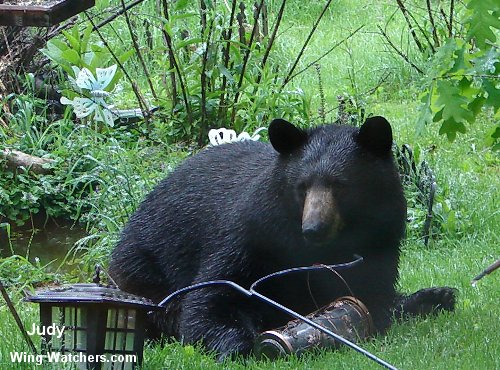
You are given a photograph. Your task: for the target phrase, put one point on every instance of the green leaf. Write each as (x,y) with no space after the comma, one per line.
(180,5)
(226,73)
(85,38)
(462,58)
(186,42)
(438,116)
(476,105)
(450,127)
(482,20)
(492,138)
(425,113)
(72,56)
(444,59)
(74,42)
(467,89)
(452,102)
(493,99)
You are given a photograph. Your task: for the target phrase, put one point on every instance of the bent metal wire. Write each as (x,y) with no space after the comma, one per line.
(251,292)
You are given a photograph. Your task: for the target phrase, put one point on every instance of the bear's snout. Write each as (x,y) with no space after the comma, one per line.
(320,219)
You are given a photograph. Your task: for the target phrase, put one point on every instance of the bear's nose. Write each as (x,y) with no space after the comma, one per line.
(315,232)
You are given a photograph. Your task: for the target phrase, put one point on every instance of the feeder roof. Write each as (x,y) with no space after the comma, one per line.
(91,293)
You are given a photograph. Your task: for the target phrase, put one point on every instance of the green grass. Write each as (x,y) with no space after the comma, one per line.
(467,173)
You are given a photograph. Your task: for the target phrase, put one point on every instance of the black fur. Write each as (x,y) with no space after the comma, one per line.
(234,212)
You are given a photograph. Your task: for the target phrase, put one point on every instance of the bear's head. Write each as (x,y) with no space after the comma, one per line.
(341,177)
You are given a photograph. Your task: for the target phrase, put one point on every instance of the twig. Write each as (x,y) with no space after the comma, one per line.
(138,50)
(398,51)
(227,39)
(143,105)
(117,60)
(327,52)
(265,25)
(433,25)
(203,16)
(412,30)
(19,323)
(166,38)
(271,40)
(288,77)
(379,83)
(116,15)
(256,15)
(450,23)
(453,75)
(245,61)
(176,65)
(423,32)
(203,81)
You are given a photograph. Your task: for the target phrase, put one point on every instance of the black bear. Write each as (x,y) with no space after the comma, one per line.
(242,210)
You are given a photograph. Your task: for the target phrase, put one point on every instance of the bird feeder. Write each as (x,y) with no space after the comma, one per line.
(102,325)
(40,13)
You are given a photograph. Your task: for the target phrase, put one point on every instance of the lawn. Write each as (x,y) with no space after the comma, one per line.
(465,235)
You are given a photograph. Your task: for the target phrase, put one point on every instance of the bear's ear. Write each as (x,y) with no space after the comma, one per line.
(285,137)
(376,135)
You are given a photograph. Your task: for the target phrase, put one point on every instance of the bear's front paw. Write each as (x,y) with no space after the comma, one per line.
(428,301)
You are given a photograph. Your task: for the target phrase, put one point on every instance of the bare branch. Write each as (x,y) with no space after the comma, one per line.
(138,50)
(288,77)
(327,52)
(135,88)
(117,14)
(228,33)
(245,60)
(176,65)
(203,81)
(410,26)
(271,39)
(433,24)
(400,53)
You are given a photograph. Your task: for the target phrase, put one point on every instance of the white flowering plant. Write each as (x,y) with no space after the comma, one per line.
(224,136)
(92,103)
(94,91)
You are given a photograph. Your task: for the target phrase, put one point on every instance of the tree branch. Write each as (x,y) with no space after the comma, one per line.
(400,53)
(288,77)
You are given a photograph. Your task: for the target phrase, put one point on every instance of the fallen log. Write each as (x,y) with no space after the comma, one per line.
(15,159)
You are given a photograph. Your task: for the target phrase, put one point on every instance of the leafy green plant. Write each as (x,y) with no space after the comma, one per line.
(463,74)
(223,72)
(80,49)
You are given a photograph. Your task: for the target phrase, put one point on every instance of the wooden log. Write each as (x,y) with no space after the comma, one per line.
(15,159)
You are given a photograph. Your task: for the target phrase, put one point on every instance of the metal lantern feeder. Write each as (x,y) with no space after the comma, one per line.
(98,322)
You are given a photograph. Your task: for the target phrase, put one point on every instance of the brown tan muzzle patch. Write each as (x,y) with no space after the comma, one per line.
(320,217)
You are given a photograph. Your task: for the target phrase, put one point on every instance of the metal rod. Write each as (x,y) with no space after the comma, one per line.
(252,292)
(17,318)
(485,272)
(204,285)
(337,267)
